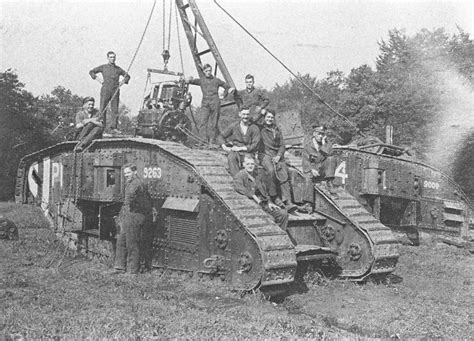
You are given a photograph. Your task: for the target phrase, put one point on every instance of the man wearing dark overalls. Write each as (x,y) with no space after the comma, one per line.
(110,90)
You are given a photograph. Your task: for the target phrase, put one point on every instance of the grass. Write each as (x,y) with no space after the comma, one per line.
(24,216)
(45,293)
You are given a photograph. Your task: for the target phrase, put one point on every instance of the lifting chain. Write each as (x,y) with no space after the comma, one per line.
(179,41)
(166,49)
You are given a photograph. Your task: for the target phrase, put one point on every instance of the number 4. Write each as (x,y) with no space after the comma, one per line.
(341,172)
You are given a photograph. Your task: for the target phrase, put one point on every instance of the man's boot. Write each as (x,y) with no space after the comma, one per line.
(289,206)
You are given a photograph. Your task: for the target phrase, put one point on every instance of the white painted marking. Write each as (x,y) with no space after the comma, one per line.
(32,185)
(46,185)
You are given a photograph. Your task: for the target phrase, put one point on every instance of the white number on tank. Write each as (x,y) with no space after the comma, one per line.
(341,172)
(152,173)
(431,184)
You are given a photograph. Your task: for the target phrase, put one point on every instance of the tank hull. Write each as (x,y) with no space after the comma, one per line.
(200,224)
(403,194)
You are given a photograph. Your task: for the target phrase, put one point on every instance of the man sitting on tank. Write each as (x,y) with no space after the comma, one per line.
(89,122)
(318,164)
(271,156)
(238,138)
(252,185)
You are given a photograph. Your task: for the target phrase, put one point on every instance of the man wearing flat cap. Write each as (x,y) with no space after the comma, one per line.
(318,165)
(89,122)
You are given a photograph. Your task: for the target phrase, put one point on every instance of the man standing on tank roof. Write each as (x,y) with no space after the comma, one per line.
(252,98)
(211,103)
(134,221)
(110,91)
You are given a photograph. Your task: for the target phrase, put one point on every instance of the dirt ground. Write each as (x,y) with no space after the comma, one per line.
(46,293)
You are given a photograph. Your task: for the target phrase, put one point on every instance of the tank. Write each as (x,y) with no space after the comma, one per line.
(202,226)
(404,194)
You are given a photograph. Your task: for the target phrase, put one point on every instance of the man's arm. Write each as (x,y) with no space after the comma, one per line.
(133,191)
(307,150)
(257,118)
(226,133)
(238,99)
(254,138)
(281,149)
(326,149)
(80,120)
(126,76)
(96,121)
(263,100)
(93,73)
(193,81)
(225,86)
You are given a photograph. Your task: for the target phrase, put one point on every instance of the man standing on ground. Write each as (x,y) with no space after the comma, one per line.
(110,91)
(134,215)
(89,122)
(211,103)
(318,164)
(248,183)
(238,138)
(252,98)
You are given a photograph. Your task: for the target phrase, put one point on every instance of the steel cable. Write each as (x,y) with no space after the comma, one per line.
(169,25)
(133,58)
(321,100)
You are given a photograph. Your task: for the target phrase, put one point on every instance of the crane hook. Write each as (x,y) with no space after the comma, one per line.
(166,57)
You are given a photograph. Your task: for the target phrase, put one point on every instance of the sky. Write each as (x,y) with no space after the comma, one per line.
(51,43)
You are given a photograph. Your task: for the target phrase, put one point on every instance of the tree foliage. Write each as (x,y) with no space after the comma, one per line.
(404,90)
(22,129)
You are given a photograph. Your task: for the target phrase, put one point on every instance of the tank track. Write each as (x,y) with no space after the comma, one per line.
(382,240)
(384,245)
(277,251)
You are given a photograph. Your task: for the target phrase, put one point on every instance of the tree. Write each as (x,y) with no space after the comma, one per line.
(22,130)
(28,124)
(405,90)
(60,108)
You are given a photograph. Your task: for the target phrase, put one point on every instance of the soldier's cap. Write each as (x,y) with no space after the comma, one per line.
(206,66)
(88,99)
(318,128)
